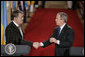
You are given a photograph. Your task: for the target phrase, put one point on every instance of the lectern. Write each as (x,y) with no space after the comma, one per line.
(20,50)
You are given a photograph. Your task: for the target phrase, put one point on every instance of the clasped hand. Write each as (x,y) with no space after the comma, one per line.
(36,45)
(53,40)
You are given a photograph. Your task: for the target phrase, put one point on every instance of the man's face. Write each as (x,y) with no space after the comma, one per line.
(58,20)
(20,18)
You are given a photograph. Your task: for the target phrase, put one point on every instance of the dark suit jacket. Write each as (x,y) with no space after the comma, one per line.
(13,35)
(66,39)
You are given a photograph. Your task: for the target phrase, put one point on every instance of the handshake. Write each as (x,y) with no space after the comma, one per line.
(36,45)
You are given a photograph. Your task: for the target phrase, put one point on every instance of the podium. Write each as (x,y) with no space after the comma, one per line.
(20,50)
(76,51)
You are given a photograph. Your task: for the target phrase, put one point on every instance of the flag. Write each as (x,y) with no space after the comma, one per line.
(22,5)
(26,5)
(4,22)
(2,35)
(14,5)
(11,6)
(32,6)
(28,2)
(32,2)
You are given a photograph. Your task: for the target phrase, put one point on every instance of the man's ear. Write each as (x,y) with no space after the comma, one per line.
(14,18)
(63,20)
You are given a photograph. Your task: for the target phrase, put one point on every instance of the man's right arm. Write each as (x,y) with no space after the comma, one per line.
(47,42)
(25,42)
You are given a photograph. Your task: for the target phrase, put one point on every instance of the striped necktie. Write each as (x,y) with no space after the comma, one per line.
(21,32)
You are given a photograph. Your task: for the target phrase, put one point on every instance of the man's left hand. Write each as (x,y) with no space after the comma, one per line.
(53,40)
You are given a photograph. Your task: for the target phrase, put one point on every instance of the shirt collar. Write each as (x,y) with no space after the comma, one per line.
(62,26)
(16,24)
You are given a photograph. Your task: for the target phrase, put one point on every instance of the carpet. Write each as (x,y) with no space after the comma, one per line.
(42,25)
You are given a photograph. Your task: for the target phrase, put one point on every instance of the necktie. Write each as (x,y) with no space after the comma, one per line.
(58,32)
(21,32)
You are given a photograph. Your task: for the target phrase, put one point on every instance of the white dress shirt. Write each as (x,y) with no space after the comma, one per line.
(58,41)
(16,24)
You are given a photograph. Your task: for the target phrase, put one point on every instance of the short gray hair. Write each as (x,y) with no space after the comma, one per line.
(63,16)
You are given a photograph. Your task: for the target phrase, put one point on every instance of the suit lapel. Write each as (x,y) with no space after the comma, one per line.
(63,30)
(17,29)
(22,32)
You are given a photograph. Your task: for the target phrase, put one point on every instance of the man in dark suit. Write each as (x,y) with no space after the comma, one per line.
(62,36)
(14,33)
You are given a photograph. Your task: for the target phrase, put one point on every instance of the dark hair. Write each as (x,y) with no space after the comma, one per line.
(15,14)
